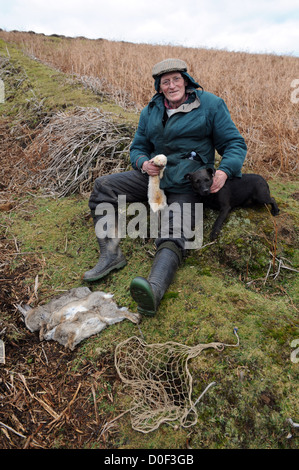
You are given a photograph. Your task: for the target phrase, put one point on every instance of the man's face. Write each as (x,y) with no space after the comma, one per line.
(172,85)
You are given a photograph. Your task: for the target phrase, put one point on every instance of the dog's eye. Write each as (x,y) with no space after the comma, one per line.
(207,180)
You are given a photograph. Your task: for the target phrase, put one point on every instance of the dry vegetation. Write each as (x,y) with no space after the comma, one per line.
(88,138)
(256,88)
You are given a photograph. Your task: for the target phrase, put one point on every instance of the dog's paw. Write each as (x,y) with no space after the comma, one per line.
(213,235)
(275,211)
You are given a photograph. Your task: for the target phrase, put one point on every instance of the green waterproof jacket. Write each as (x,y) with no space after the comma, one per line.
(198,127)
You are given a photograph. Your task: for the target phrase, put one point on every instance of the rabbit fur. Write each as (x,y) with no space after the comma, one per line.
(75,316)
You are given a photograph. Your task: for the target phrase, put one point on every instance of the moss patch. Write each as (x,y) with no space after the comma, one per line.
(255,391)
(34,90)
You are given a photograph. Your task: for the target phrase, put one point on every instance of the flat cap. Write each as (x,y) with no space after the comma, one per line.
(169,65)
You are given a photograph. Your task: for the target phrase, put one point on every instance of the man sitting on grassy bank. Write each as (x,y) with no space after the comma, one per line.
(187,124)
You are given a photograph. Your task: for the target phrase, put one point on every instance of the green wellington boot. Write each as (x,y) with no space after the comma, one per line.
(149,292)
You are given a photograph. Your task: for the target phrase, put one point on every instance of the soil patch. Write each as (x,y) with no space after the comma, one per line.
(49,397)
(44,401)
(46,404)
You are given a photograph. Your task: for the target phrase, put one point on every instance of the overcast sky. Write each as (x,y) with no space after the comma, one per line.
(270,26)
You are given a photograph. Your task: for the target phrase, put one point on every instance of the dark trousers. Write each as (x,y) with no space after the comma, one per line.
(134,185)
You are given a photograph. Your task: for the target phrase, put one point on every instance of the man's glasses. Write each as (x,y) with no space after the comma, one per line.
(175,80)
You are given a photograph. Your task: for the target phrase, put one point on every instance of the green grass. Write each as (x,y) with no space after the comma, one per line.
(204,303)
(255,390)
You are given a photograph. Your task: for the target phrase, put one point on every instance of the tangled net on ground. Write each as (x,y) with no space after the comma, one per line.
(159,381)
(75,148)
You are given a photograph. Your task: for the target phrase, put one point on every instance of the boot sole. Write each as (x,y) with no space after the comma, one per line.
(119,265)
(142,294)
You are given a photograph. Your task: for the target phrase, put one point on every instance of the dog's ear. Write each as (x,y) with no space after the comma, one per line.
(211,171)
(187,176)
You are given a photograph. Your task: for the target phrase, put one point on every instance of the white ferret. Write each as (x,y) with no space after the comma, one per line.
(156,197)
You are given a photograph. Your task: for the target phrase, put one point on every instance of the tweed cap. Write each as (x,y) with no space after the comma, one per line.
(169,65)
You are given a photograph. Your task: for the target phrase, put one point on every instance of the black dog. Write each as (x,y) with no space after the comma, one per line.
(237,192)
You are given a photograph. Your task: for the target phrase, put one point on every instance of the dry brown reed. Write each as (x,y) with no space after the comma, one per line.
(256,87)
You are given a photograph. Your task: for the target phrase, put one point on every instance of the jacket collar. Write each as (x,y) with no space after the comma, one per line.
(187,106)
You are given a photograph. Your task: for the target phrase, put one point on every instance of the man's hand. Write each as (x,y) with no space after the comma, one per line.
(150,168)
(219,180)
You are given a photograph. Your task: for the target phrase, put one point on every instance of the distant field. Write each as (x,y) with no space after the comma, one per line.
(256,87)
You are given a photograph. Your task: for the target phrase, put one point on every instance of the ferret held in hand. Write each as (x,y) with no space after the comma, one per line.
(156,196)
